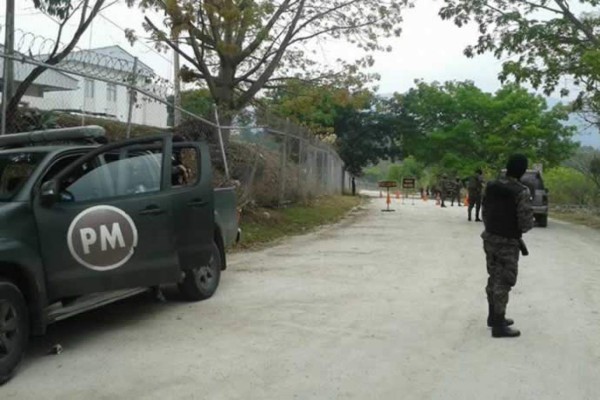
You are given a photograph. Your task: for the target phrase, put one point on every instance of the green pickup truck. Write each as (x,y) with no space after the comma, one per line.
(84,224)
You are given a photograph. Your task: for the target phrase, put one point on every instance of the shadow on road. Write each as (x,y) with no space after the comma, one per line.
(87,327)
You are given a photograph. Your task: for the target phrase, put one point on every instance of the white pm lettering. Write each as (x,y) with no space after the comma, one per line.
(108,238)
(111,237)
(88,238)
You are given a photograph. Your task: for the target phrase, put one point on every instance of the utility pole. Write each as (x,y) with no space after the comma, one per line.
(177,88)
(8,78)
(132,95)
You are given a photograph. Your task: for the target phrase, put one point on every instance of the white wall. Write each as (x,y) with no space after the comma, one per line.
(146,111)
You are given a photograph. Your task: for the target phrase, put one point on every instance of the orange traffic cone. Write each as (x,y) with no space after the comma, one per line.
(467,201)
(388,201)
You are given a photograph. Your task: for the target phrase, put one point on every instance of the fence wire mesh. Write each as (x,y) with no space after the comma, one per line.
(272,161)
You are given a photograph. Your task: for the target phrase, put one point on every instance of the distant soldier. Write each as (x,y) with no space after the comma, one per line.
(475,189)
(456,187)
(507,214)
(445,189)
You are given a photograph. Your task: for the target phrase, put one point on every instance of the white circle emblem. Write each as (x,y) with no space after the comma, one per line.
(102,238)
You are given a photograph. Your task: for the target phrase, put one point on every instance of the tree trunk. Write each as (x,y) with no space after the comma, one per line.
(225,120)
(225,98)
(12,108)
(353,186)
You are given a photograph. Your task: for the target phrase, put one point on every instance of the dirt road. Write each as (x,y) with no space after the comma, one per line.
(382,306)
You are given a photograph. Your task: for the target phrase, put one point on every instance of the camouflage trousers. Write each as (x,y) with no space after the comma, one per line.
(502,267)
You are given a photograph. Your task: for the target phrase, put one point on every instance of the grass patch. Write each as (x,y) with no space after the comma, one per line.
(261,226)
(586,219)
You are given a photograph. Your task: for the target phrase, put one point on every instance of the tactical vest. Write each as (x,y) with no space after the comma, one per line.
(474,186)
(500,205)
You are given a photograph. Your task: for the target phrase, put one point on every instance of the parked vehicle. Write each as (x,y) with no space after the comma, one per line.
(539,195)
(83,225)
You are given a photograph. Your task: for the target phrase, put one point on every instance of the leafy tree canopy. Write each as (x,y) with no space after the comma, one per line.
(316,106)
(461,127)
(239,47)
(542,41)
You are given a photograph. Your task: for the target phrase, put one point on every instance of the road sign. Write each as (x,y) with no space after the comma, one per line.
(388,184)
(409,183)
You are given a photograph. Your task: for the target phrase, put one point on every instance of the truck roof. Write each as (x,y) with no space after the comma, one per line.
(83,135)
(44,149)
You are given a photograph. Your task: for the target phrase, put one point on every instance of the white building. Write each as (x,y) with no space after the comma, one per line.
(49,82)
(95,97)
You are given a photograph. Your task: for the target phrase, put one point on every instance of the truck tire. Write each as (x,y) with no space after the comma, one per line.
(542,220)
(14,329)
(202,282)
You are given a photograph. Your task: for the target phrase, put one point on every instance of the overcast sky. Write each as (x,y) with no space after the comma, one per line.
(429,48)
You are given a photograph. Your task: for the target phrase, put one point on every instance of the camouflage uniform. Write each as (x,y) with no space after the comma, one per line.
(502,253)
(445,187)
(456,187)
(475,189)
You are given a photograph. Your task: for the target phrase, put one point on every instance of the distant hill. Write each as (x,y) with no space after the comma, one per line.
(586,135)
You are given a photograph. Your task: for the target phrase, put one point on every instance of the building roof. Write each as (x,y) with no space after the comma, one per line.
(50,80)
(112,53)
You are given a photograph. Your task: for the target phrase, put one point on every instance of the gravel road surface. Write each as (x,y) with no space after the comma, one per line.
(380,306)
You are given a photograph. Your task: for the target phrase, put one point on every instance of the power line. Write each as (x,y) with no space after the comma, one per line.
(142,43)
(122,30)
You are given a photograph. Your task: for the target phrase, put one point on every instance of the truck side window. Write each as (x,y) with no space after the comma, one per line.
(126,172)
(59,165)
(185,166)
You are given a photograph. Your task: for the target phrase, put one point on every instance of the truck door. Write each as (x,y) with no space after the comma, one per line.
(110,226)
(192,196)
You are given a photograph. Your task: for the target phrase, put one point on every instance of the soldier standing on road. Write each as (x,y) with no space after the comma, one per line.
(456,186)
(475,188)
(445,188)
(507,214)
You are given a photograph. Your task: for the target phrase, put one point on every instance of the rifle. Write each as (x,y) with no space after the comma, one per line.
(523,248)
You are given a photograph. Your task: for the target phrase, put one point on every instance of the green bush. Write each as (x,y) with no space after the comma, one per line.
(569,186)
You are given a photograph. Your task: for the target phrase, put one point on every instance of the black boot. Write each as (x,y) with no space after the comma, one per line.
(500,329)
(469,216)
(490,319)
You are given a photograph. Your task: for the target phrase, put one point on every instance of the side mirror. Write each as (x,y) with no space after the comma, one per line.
(49,192)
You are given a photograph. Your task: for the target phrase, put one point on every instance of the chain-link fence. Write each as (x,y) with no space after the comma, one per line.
(300,166)
(273,161)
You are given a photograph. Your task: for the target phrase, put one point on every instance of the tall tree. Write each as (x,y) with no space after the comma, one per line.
(467,128)
(316,106)
(239,47)
(542,41)
(81,13)
(361,138)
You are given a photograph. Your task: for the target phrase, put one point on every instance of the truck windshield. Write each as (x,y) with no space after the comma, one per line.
(15,170)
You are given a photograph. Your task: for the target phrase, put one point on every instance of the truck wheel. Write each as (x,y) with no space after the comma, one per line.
(14,329)
(541,220)
(201,283)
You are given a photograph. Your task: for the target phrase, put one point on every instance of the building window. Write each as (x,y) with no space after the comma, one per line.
(111,93)
(89,88)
